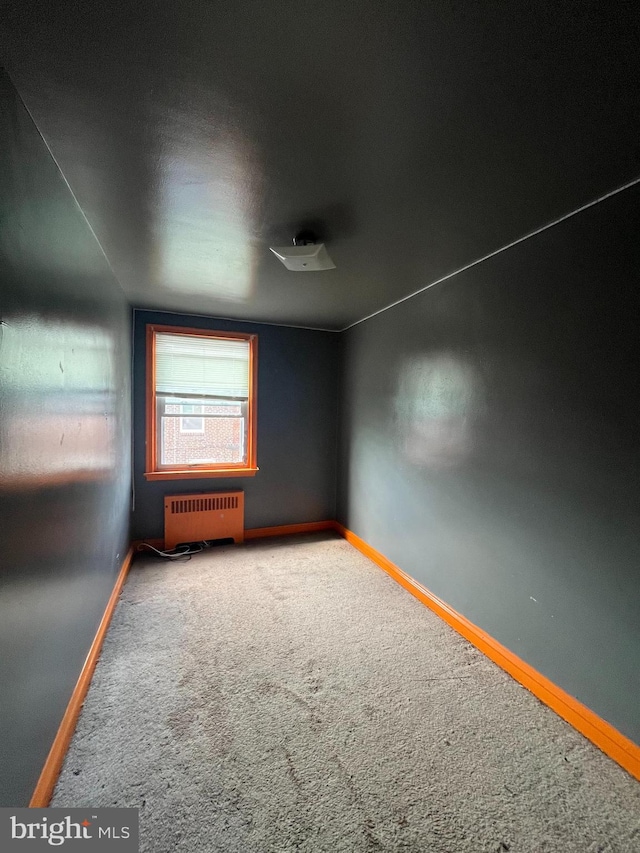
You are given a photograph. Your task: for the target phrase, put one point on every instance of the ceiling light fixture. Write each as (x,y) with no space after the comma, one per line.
(305,255)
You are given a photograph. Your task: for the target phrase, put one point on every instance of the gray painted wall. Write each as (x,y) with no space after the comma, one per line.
(65,441)
(489,448)
(298,373)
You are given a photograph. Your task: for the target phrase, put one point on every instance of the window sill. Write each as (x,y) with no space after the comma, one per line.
(200,473)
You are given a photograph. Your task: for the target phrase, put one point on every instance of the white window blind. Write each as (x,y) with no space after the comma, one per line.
(213,367)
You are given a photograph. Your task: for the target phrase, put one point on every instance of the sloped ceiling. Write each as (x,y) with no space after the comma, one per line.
(415,136)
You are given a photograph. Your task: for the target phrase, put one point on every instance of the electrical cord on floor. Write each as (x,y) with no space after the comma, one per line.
(176,554)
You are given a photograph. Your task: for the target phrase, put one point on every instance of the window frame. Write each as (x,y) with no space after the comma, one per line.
(153,471)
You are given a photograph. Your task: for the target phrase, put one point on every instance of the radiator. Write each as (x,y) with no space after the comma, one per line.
(193,518)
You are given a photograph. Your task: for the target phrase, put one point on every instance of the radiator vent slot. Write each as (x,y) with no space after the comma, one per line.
(197,518)
(204,504)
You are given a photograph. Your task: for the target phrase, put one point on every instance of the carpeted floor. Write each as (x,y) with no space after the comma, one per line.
(286,695)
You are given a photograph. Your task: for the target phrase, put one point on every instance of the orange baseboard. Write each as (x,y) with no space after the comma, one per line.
(289,529)
(598,731)
(254,533)
(52,766)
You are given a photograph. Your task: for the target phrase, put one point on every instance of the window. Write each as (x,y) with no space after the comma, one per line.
(191,424)
(201,406)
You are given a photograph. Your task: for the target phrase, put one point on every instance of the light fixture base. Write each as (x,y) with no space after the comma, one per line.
(305,258)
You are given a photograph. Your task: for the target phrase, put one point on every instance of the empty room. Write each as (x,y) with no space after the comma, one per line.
(319,426)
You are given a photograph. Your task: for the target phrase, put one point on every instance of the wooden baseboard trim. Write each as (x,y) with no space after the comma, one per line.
(612,742)
(289,529)
(253,533)
(52,766)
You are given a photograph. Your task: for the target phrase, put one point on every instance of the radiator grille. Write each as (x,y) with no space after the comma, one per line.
(198,517)
(203,504)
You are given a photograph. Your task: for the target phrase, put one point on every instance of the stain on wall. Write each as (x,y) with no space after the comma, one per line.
(489,447)
(64,444)
(298,371)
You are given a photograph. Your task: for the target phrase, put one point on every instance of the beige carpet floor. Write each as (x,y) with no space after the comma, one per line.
(286,695)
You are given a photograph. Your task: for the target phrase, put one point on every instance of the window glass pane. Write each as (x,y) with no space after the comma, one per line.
(212,431)
(191,424)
